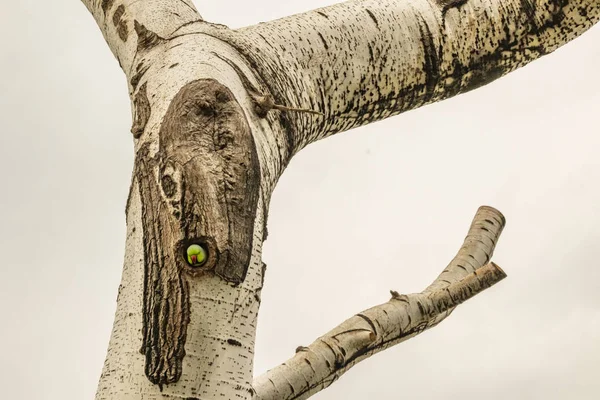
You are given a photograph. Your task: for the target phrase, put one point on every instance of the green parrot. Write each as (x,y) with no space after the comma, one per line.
(196,255)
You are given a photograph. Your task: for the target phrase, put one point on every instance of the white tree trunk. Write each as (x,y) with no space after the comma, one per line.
(217,115)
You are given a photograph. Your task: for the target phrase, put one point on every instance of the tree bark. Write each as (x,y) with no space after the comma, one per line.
(217,116)
(317,366)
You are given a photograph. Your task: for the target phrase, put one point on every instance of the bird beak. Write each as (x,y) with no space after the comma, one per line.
(194,259)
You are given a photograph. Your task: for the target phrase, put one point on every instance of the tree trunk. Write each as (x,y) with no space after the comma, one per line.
(217,116)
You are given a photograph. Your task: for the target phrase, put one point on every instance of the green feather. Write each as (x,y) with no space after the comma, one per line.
(199,252)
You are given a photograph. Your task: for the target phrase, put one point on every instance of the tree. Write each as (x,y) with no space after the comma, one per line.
(247,92)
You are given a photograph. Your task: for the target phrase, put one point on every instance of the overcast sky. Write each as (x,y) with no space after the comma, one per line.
(401,192)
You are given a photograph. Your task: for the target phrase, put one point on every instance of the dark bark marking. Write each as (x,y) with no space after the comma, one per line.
(369,321)
(431,66)
(141,69)
(553,13)
(141,107)
(448,4)
(184,202)
(323,40)
(120,23)
(323,14)
(146,38)
(106,5)
(234,342)
(173,65)
(372,17)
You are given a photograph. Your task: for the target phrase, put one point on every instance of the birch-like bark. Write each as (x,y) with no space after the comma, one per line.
(317,366)
(365,60)
(181,333)
(217,115)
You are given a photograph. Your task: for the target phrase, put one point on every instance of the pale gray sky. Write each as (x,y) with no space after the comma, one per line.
(401,192)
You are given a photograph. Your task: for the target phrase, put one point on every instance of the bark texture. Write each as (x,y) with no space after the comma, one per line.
(317,366)
(362,61)
(218,114)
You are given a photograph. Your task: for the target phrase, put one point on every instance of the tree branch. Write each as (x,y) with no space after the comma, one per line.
(317,366)
(362,61)
(127,25)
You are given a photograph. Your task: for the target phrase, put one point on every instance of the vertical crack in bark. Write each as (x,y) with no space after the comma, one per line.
(200,187)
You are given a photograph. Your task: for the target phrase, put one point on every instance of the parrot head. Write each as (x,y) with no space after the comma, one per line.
(196,255)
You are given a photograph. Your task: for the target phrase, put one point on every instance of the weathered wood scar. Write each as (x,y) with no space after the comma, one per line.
(200,187)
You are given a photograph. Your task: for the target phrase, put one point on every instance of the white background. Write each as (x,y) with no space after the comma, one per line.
(378,208)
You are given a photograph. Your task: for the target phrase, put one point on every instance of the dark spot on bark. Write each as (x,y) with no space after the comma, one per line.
(222,96)
(204,109)
(173,65)
(448,4)
(146,38)
(168,185)
(322,14)
(118,15)
(234,342)
(323,40)
(141,69)
(106,5)
(123,31)
(372,17)
(141,107)
(120,23)
(263,271)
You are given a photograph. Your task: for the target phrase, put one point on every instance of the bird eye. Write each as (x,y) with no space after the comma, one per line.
(196,255)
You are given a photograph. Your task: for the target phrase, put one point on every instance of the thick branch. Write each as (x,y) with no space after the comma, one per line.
(128,25)
(317,366)
(362,61)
